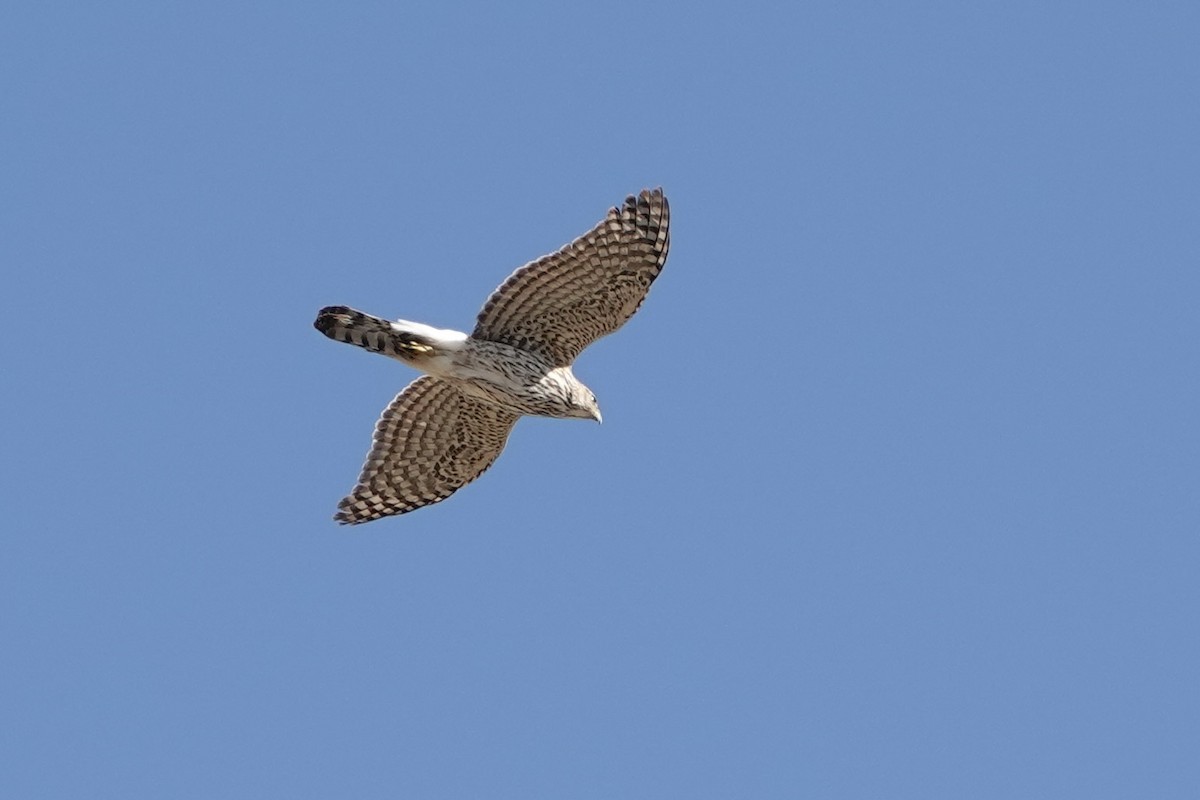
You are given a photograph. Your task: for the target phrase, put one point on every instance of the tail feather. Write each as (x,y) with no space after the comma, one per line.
(344,324)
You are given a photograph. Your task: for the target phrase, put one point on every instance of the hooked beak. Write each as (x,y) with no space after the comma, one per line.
(596,416)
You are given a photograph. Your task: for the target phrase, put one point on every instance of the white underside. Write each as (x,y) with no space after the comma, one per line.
(441,335)
(499,373)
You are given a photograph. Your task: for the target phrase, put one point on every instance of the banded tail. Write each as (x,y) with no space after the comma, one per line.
(344,324)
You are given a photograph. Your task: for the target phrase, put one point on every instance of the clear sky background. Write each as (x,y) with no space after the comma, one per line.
(898,489)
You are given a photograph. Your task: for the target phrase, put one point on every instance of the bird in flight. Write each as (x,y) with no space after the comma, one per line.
(448,426)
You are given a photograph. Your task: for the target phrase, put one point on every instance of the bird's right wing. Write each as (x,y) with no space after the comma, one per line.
(563,302)
(431,441)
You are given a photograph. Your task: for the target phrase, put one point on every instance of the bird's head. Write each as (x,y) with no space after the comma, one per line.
(584,404)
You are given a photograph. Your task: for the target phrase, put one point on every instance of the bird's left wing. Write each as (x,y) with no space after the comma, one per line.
(431,441)
(563,302)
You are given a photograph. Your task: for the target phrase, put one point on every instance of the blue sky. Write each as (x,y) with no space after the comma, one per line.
(897,490)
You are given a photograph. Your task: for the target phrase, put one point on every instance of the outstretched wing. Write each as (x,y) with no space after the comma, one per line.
(563,302)
(431,440)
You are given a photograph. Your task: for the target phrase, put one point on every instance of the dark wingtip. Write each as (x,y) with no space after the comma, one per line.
(343,515)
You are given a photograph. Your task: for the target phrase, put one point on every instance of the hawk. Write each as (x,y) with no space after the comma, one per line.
(449,425)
